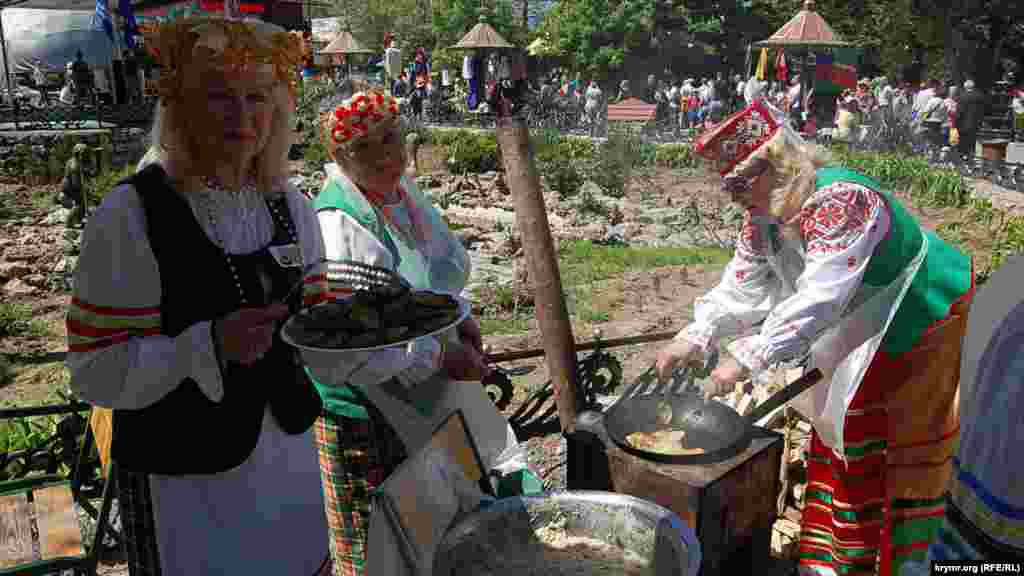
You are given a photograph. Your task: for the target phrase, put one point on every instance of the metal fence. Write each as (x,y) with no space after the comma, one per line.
(21,116)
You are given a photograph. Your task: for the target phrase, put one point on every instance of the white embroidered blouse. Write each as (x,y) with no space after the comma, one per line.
(778,294)
(265,516)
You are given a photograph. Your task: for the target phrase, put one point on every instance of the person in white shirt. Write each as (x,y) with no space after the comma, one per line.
(752,90)
(67,93)
(178,297)
(922,99)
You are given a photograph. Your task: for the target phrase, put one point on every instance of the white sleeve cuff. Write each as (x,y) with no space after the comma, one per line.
(196,343)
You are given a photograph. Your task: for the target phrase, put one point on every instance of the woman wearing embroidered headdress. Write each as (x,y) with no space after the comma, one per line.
(832,272)
(173,320)
(370,212)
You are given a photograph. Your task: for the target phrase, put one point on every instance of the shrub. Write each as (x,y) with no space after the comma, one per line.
(308,99)
(937,187)
(96,188)
(675,156)
(471,152)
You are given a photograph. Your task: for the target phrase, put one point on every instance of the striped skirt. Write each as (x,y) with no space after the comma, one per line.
(883,507)
(355,457)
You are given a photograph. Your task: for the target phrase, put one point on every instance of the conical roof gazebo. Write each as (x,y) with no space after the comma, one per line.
(804,33)
(807,29)
(345,43)
(482,36)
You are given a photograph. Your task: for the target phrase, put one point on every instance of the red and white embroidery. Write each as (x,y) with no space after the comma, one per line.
(837,216)
(749,244)
(851,262)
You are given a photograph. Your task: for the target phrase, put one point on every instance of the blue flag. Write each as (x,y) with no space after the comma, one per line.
(131,28)
(101,20)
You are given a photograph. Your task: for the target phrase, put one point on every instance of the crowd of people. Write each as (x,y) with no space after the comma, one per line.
(934,116)
(187,268)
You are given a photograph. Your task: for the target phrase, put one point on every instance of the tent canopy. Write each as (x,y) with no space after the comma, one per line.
(806,29)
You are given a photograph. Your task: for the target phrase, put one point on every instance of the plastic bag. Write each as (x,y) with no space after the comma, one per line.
(513,475)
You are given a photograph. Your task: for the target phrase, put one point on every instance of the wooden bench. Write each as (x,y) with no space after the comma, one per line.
(40,532)
(39,528)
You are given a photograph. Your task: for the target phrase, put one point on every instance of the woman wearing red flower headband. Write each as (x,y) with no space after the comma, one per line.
(370,212)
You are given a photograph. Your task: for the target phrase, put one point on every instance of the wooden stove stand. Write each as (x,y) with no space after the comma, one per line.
(731,504)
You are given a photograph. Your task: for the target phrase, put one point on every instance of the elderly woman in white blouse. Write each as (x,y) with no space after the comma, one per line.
(177,297)
(832,272)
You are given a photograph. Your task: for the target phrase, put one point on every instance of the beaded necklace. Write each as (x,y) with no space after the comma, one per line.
(277,206)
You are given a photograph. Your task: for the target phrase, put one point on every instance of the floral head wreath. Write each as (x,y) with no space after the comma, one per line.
(363,114)
(235,45)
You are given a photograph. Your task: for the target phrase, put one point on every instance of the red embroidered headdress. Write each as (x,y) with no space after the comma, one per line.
(737,137)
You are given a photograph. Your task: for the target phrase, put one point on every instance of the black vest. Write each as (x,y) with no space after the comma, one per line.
(185,432)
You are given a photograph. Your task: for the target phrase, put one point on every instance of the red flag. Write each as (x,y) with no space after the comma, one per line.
(781,70)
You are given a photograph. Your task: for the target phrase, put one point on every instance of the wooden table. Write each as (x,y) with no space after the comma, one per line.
(731,504)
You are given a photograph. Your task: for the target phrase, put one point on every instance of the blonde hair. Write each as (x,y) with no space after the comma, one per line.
(174,145)
(186,50)
(794,163)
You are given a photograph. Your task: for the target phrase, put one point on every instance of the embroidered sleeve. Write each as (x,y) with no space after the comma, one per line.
(117,355)
(841,226)
(742,298)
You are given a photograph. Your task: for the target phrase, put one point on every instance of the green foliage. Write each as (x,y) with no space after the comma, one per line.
(96,188)
(468,151)
(308,97)
(614,160)
(597,34)
(675,156)
(927,185)
(16,320)
(558,160)
(452,20)
(582,261)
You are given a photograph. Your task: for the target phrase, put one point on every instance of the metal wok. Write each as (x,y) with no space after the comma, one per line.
(709,425)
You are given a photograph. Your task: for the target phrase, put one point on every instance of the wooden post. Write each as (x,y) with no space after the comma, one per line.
(532,219)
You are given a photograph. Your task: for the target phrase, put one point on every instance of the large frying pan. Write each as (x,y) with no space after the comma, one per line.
(713,426)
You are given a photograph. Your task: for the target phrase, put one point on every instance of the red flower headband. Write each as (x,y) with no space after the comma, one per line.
(357,116)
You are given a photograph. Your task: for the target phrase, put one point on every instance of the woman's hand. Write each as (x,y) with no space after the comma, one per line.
(245,335)
(469,334)
(677,352)
(463,362)
(724,377)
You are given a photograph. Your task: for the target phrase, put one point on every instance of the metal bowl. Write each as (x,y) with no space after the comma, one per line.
(502,539)
(331,364)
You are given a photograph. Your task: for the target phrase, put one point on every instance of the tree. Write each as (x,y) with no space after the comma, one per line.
(453,18)
(597,34)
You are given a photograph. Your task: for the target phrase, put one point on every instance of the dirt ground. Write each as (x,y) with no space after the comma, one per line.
(635,301)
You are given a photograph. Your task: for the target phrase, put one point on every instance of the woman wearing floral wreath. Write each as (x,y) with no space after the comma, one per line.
(370,212)
(831,272)
(176,303)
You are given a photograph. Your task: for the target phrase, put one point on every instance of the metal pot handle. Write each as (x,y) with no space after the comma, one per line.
(590,421)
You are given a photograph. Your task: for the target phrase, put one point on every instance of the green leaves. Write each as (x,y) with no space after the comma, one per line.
(598,34)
